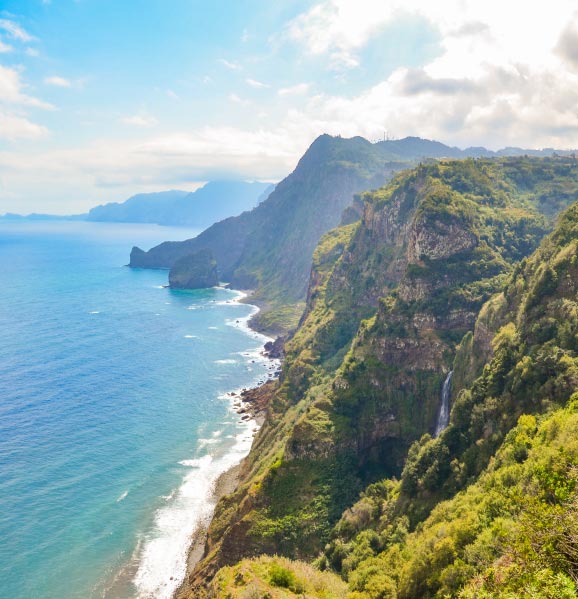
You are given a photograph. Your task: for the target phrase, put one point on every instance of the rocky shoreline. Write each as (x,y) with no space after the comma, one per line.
(251,404)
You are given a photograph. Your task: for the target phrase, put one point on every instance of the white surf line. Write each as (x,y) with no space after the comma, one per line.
(163,560)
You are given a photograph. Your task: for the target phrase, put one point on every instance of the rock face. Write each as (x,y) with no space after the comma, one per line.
(275,349)
(195,271)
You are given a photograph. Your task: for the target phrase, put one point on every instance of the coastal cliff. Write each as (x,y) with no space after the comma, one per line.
(269,249)
(197,271)
(395,301)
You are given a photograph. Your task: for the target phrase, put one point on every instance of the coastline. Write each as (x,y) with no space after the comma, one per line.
(245,403)
(224,485)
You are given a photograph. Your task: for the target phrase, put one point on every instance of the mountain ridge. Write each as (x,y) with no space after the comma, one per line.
(199,209)
(269,250)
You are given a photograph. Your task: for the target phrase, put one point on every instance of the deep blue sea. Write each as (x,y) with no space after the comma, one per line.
(114,414)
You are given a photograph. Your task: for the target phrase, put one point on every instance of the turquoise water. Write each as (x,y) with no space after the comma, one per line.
(114,421)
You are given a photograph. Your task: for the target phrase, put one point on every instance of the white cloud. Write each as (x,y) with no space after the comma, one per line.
(64,176)
(234,66)
(57,81)
(4,48)
(340,28)
(501,77)
(256,84)
(31,52)
(238,100)
(567,46)
(14,122)
(14,31)
(294,90)
(173,95)
(11,90)
(140,120)
(13,127)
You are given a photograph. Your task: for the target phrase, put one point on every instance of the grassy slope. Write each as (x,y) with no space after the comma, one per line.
(511,533)
(276,578)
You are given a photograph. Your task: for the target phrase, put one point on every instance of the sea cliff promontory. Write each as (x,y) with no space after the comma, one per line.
(196,271)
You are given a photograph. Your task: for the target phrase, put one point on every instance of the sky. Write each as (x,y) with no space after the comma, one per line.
(102,99)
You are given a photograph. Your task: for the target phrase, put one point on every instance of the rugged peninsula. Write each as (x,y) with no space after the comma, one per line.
(269,249)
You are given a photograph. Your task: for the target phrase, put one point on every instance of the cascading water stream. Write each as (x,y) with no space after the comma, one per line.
(444,415)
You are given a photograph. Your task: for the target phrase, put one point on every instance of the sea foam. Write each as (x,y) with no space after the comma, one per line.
(188,510)
(163,561)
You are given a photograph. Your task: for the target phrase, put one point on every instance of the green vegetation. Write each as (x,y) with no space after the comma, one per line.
(512,533)
(532,365)
(276,319)
(438,275)
(275,578)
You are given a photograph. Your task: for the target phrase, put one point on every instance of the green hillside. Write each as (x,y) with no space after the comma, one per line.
(435,277)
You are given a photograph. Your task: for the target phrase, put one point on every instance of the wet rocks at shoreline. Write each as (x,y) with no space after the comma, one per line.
(275,350)
(252,403)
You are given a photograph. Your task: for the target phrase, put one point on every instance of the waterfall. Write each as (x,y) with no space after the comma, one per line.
(444,415)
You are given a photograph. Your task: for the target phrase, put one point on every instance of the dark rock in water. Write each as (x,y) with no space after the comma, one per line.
(195,271)
(275,349)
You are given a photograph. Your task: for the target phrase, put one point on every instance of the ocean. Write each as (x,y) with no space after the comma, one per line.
(115,418)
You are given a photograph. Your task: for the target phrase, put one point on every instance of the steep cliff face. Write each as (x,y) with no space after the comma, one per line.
(390,298)
(425,257)
(521,357)
(269,249)
(490,507)
(198,271)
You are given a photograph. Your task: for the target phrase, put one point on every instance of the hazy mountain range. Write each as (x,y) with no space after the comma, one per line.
(214,201)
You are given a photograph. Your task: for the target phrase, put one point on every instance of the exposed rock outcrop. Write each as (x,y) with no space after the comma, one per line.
(195,271)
